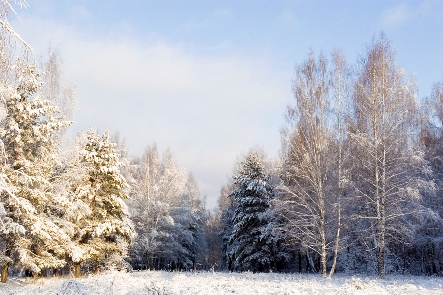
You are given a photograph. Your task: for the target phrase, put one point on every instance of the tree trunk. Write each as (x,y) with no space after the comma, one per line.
(5,272)
(299,262)
(96,267)
(337,243)
(323,240)
(77,270)
(311,262)
(323,260)
(381,259)
(381,250)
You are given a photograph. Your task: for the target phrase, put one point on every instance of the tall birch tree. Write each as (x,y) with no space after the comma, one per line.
(307,200)
(384,105)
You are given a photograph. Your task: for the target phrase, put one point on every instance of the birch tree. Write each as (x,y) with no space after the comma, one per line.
(384,105)
(340,84)
(166,210)
(428,243)
(12,46)
(62,96)
(308,201)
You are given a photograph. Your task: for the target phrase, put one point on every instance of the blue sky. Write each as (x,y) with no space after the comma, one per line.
(211,79)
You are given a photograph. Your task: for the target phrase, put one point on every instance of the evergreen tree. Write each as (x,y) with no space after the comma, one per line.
(8,227)
(226,208)
(106,230)
(28,132)
(251,244)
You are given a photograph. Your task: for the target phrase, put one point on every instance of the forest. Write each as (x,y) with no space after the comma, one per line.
(357,187)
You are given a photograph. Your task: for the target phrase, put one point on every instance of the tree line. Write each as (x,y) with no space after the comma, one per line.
(358,185)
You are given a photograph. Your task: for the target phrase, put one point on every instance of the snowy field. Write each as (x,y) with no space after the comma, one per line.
(159,282)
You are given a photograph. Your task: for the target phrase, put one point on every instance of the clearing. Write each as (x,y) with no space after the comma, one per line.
(162,282)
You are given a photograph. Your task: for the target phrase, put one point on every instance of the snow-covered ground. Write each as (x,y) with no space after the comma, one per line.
(159,282)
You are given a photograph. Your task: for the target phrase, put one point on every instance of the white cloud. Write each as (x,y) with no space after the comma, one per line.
(286,17)
(405,13)
(223,13)
(207,109)
(396,16)
(81,12)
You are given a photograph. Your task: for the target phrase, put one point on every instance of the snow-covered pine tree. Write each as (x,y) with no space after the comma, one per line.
(69,211)
(21,154)
(251,244)
(7,227)
(106,231)
(28,130)
(224,223)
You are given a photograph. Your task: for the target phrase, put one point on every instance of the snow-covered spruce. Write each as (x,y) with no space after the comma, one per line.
(104,230)
(251,244)
(28,132)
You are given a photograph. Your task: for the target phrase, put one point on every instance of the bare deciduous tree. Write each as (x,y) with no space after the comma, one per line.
(340,97)
(62,96)
(12,46)
(384,108)
(307,198)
